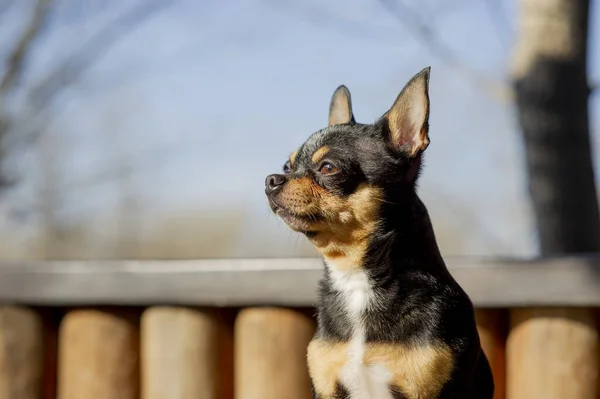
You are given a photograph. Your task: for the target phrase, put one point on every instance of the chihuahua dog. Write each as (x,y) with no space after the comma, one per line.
(392,322)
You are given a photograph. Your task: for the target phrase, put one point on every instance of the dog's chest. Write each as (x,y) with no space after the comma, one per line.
(362,380)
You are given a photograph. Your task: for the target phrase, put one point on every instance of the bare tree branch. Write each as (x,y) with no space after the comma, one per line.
(499,20)
(40,97)
(410,19)
(326,20)
(18,54)
(69,71)
(106,176)
(15,66)
(423,32)
(92,51)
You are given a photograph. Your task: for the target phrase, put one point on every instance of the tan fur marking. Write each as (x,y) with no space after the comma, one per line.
(344,243)
(293,157)
(348,223)
(325,360)
(319,154)
(418,372)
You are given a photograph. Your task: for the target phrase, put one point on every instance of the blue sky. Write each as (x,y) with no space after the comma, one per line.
(206,98)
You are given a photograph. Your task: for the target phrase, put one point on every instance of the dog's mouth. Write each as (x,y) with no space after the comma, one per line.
(301,223)
(305,223)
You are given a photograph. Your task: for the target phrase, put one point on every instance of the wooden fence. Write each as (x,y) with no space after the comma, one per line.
(239,328)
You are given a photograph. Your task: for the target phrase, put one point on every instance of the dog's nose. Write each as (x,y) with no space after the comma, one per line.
(274,182)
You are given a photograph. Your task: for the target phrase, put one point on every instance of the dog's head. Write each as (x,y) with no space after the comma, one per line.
(333,186)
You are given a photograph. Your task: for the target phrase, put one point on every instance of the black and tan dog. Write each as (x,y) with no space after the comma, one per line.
(392,322)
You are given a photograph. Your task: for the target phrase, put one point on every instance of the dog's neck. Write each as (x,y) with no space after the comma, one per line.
(407,239)
(404,240)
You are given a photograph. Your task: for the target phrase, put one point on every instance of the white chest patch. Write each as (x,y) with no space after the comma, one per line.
(363,381)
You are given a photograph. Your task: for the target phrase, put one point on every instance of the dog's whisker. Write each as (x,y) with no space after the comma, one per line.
(385,201)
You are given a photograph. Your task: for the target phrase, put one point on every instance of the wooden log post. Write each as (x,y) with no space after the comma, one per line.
(21,353)
(492,325)
(180,354)
(98,355)
(552,353)
(270,354)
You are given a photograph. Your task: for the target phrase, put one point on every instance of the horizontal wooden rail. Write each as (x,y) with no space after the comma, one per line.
(560,281)
(542,340)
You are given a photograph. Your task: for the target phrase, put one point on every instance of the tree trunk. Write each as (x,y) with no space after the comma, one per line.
(553,353)
(552,98)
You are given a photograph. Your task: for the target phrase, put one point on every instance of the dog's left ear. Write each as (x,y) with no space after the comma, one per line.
(340,108)
(408,119)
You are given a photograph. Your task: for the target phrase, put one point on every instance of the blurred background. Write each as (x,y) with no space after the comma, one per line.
(145,128)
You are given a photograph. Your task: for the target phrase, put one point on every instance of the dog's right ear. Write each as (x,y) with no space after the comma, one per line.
(408,119)
(340,109)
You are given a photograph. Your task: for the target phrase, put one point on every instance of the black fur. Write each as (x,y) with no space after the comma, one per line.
(420,301)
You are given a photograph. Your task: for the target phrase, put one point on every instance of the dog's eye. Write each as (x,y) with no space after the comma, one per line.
(286,167)
(327,169)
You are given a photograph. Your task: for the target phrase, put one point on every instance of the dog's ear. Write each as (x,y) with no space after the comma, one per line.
(408,119)
(340,109)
